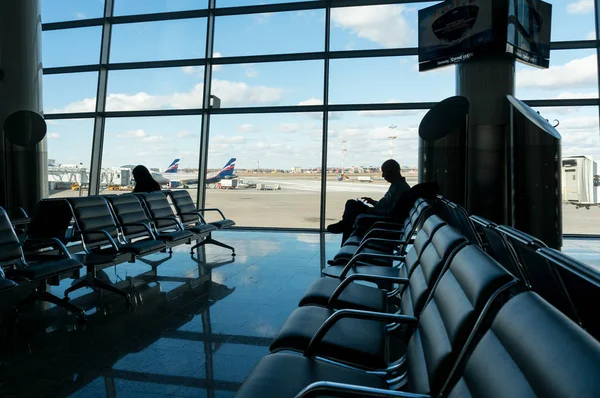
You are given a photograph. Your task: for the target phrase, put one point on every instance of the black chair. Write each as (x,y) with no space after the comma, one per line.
(404,206)
(538,274)
(51,219)
(457,217)
(134,222)
(95,223)
(582,284)
(531,349)
(164,220)
(496,245)
(338,294)
(362,342)
(469,291)
(35,275)
(193,218)
(382,241)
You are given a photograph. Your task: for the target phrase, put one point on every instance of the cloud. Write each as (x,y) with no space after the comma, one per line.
(53,136)
(154,138)
(311,101)
(288,127)
(193,70)
(576,73)
(581,7)
(591,36)
(80,15)
(250,70)
(263,17)
(382,24)
(51,122)
(247,128)
(184,133)
(139,133)
(231,94)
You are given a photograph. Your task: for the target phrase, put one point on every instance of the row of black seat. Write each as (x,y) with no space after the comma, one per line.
(103,231)
(443,319)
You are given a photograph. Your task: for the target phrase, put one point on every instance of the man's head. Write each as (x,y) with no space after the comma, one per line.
(390,170)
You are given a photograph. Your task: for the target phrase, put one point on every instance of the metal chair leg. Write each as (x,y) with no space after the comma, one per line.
(67,305)
(210,241)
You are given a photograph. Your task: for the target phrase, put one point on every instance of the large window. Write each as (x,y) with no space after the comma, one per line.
(359,142)
(69,156)
(264,104)
(155,142)
(278,168)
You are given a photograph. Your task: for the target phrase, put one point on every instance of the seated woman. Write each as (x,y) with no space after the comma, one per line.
(143,180)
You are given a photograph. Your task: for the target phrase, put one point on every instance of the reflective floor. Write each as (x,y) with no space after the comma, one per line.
(585,250)
(198,330)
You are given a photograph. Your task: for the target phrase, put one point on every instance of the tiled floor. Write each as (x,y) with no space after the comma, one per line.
(198,332)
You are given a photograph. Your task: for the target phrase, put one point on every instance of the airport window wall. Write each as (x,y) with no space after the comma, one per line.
(308,96)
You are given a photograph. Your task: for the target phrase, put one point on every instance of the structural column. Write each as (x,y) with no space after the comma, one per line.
(23,157)
(486,83)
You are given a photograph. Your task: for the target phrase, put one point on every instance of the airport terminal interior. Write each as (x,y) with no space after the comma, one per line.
(260,119)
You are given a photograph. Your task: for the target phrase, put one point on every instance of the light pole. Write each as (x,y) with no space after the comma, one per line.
(343,150)
(392,137)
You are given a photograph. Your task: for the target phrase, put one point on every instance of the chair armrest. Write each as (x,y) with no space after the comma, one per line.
(321,388)
(213,209)
(111,240)
(361,256)
(363,277)
(354,314)
(194,213)
(365,243)
(54,243)
(140,224)
(382,231)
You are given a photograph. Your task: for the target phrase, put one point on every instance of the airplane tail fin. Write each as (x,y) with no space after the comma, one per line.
(228,169)
(173,167)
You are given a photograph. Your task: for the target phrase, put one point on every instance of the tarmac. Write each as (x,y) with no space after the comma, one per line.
(297,203)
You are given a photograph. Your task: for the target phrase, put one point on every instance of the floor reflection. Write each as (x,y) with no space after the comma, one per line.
(200,324)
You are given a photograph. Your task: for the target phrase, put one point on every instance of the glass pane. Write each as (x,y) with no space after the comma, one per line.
(580,131)
(572,74)
(165,88)
(359,142)
(70,47)
(68,10)
(372,27)
(69,93)
(157,41)
(387,79)
(69,155)
(130,7)
(272,83)
(154,142)
(258,34)
(234,3)
(278,159)
(573,20)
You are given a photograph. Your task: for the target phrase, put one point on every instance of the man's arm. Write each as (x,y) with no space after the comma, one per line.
(369,200)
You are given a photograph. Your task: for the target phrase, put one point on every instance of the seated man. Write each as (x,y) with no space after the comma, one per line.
(390,171)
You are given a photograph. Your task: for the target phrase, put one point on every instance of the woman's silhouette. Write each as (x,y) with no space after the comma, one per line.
(143,180)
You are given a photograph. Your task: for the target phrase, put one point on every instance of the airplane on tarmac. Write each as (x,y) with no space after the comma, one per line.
(227,172)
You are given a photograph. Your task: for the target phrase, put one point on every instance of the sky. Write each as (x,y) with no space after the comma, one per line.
(281,141)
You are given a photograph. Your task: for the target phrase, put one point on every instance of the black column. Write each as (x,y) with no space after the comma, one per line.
(486,83)
(23,158)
